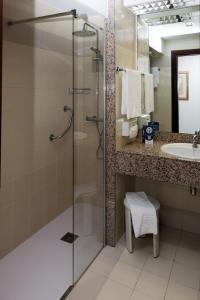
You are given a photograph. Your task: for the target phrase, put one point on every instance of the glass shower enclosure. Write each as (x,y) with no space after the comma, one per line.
(88,143)
(53,96)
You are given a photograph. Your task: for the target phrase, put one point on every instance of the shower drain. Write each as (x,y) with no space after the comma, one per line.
(69,237)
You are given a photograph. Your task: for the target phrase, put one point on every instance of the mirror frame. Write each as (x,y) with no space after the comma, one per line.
(174,83)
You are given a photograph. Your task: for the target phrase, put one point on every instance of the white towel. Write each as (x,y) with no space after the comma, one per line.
(156,76)
(143,214)
(149,93)
(131,94)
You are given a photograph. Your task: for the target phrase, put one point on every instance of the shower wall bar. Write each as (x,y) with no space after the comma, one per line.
(58,15)
(79,91)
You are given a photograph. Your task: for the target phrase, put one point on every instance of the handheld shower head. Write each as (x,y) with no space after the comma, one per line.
(94,50)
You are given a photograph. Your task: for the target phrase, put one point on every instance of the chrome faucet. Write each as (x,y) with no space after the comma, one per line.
(195,139)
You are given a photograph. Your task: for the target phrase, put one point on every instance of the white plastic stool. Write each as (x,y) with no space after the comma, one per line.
(129,228)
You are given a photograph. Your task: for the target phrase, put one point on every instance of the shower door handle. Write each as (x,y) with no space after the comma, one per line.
(53,137)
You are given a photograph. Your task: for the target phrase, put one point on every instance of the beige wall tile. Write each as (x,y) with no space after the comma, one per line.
(125,34)
(6,195)
(21,210)
(6,237)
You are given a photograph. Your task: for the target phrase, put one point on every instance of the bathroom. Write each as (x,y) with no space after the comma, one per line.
(71,154)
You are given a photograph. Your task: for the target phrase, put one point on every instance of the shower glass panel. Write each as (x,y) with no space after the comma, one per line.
(88,143)
(36,210)
(52,183)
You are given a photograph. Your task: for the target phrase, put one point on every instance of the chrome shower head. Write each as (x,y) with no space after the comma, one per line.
(84,32)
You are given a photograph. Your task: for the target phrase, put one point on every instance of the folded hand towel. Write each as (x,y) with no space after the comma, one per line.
(149,93)
(131,94)
(143,214)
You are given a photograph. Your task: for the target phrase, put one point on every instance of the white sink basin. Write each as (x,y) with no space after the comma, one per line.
(182,150)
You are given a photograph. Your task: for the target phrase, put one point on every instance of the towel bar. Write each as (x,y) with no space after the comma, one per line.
(119,69)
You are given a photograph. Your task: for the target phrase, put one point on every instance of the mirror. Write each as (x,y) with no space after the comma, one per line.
(173,57)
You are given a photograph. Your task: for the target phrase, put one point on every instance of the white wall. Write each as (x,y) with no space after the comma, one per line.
(189,119)
(130,3)
(160,32)
(99,6)
(155,40)
(89,7)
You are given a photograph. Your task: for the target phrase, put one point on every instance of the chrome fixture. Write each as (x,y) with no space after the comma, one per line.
(193,190)
(79,91)
(195,139)
(170,19)
(85,32)
(63,14)
(98,54)
(119,69)
(93,119)
(53,137)
(97,121)
(161,5)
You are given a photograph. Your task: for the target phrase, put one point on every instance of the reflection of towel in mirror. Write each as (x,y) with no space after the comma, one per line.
(143,214)
(156,76)
(149,93)
(131,94)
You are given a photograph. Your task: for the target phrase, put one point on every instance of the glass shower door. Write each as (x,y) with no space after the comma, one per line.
(88,144)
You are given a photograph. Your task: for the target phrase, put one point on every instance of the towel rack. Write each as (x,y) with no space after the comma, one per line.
(119,69)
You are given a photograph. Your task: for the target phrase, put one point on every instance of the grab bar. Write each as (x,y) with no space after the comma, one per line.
(93,119)
(53,137)
(79,91)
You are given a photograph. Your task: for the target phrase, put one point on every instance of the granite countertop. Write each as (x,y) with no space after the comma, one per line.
(137,147)
(140,148)
(138,159)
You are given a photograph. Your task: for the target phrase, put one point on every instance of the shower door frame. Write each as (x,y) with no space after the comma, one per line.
(104,148)
(1,64)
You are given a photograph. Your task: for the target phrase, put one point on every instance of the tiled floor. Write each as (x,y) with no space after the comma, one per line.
(118,275)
